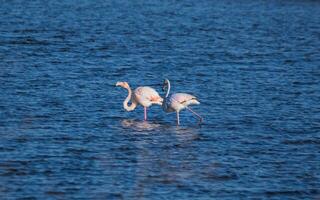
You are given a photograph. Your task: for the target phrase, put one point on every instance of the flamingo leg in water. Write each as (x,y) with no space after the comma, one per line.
(178,119)
(145,113)
(193,112)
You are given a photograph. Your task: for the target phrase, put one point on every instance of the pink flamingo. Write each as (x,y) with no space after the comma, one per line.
(145,96)
(178,101)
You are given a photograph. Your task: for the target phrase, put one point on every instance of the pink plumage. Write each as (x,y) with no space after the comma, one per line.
(146,96)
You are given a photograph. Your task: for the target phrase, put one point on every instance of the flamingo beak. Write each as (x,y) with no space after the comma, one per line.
(118,83)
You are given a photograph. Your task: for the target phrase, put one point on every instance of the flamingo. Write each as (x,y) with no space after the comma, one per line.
(178,101)
(145,96)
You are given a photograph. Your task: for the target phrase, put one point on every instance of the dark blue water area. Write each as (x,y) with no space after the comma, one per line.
(254,66)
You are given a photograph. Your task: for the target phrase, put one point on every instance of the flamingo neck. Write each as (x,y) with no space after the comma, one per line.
(164,104)
(126,101)
(168,89)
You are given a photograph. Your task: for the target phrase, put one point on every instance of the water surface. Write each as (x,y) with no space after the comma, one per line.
(254,65)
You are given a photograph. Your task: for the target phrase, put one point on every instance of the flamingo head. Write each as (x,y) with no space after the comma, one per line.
(122,84)
(165,85)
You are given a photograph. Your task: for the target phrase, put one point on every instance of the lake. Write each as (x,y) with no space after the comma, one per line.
(254,66)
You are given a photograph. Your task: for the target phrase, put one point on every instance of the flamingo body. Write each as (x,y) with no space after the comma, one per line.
(146,96)
(180,101)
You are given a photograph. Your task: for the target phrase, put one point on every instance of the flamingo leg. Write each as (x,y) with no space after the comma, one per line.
(196,114)
(178,119)
(145,113)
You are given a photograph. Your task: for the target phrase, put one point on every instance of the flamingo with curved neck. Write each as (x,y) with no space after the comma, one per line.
(178,101)
(145,96)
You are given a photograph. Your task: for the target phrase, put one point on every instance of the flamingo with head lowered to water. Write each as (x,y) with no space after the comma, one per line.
(178,101)
(145,96)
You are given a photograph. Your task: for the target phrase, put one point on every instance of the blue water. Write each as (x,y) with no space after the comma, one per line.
(254,65)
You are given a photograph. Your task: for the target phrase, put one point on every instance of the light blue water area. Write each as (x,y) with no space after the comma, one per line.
(254,66)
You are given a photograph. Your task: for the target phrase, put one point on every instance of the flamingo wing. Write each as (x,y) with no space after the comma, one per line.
(147,93)
(184,99)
